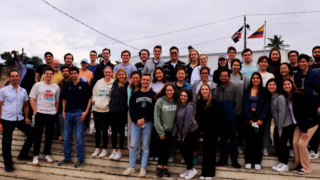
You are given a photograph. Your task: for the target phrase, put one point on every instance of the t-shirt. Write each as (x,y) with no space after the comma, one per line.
(265,78)
(291,112)
(157,86)
(241,83)
(129,68)
(92,68)
(139,66)
(142,105)
(296,70)
(56,78)
(249,70)
(40,69)
(303,78)
(174,64)
(316,67)
(179,88)
(46,96)
(87,74)
(200,84)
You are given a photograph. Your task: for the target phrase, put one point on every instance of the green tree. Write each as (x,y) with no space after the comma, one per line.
(118,61)
(276,43)
(100,59)
(8,59)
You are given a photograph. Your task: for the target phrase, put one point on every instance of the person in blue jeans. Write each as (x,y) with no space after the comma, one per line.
(141,105)
(76,102)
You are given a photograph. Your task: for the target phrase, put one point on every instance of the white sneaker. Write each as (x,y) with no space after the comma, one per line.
(96,152)
(35,161)
(182,160)
(283,168)
(113,154)
(248,166)
(128,171)
(151,158)
(191,174)
(291,153)
(208,178)
(156,159)
(257,167)
(265,152)
(103,153)
(118,156)
(48,159)
(202,177)
(143,172)
(170,159)
(276,166)
(184,174)
(313,155)
(240,150)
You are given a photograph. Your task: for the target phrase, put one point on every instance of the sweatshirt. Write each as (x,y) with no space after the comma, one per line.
(280,111)
(185,118)
(195,76)
(101,95)
(142,105)
(165,116)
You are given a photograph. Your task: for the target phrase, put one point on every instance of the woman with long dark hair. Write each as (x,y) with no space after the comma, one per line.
(305,128)
(274,62)
(285,71)
(255,109)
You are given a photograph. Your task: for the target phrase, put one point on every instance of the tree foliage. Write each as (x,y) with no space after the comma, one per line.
(10,61)
(277,43)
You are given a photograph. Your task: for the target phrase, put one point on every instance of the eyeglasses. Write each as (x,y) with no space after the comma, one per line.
(223,76)
(293,56)
(174,53)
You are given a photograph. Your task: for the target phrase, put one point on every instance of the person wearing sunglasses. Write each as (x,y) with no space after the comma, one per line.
(170,67)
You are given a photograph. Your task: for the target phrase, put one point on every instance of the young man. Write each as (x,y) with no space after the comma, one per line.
(11,118)
(44,100)
(93,64)
(57,76)
(228,94)
(144,56)
(48,56)
(84,72)
(68,60)
(170,67)
(293,58)
(156,61)
(125,64)
(141,111)
(316,55)
(76,104)
(98,74)
(248,67)
(232,52)
(309,82)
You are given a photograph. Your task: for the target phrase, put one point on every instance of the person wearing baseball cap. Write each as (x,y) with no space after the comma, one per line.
(84,72)
(222,63)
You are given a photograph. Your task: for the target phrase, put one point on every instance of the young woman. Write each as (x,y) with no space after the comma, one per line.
(193,62)
(119,109)
(208,107)
(274,62)
(285,71)
(100,100)
(204,74)
(196,71)
(284,125)
(305,128)
(241,80)
(255,109)
(188,128)
(222,63)
(165,123)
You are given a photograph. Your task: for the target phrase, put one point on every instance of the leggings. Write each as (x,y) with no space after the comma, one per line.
(101,122)
(118,123)
(164,151)
(187,148)
(280,143)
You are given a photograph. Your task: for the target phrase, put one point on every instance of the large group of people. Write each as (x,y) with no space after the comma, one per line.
(163,102)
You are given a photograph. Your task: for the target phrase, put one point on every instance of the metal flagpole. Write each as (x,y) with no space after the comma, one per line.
(265,34)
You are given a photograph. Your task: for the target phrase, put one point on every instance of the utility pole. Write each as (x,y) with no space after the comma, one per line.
(22,56)
(245,33)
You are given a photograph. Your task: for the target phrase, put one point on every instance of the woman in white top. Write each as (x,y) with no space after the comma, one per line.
(100,100)
(196,71)
(204,74)
(263,63)
(159,79)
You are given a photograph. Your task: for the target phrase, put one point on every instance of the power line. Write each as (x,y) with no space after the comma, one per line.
(271,14)
(287,23)
(292,36)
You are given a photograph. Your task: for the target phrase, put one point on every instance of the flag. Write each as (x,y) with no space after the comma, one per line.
(237,35)
(258,33)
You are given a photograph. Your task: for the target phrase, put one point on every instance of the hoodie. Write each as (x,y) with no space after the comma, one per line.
(280,111)
(101,95)
(165,116)
(185,118)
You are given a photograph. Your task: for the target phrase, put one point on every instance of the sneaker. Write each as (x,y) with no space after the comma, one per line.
(283,168)
(209,178)
(103,153)
(113,154)
(60,138)
(159,172)
(182,160)
(265,152)
(128,171)
(9,168)
(156,159)
(78,164)
(297,169)
(96,152)
(184,174)
(138,156)
(48,159)
(276,166)
(248,166)
(257,167)
(291,153)
(301,172)
(64,162)
(166,173)
(35,161)
(191,174)
(142,172)
(170,159)
(25,158)
(151,158)
(202,177)
(240,150)
(313,155)
(118,156)
(195,160)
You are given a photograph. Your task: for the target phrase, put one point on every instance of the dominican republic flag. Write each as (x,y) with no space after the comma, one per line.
(237,35)
(258,33)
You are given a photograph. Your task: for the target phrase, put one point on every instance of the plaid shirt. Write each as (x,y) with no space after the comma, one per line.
(170,71)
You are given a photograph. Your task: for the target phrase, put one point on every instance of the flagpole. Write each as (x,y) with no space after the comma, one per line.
(265,34)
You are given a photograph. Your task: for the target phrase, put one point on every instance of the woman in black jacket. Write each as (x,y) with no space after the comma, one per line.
(118,109)
(207,106)
(306,126)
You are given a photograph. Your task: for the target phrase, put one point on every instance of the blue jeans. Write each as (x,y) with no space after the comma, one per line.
(145,133)
(72,119)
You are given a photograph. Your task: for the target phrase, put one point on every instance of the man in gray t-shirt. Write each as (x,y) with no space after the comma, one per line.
(125,56)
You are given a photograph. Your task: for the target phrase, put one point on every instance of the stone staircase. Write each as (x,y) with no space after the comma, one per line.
(103,168)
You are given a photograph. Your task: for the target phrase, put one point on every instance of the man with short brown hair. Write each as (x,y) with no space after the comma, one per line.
(156,61)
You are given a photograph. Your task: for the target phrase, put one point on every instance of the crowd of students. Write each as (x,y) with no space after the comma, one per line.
(162,102)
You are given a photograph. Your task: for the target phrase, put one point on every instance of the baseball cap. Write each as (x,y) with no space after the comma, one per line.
(222,57)
(84,60)
(30,61)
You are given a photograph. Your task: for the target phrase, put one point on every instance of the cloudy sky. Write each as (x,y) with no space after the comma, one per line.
(38,27)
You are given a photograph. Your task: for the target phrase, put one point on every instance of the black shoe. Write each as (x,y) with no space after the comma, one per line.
(297,169)
(166,173)
(25,158)
(236,164)
(221,163)
(8,168)
(302,172)
(64,162)
(79,163)
(159,172)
